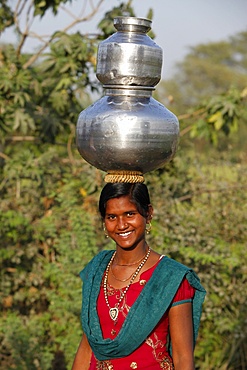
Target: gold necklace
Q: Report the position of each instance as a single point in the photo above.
(130, 264)
(122, 280)
(127, 264)
(114, 311)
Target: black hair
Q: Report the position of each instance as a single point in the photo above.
(138, 193)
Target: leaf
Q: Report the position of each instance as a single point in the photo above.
(234, 125)
(21, 98)
(41, 4)
(64, 83)
(23, 122)
(217, 119)
(214, 117)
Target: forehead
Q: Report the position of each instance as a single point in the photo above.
(120, 204)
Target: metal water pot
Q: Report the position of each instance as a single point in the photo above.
(127, 129)
(129, 56)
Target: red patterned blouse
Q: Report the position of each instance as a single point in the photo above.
(152, 354)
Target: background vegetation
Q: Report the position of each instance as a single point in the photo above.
(49, 225)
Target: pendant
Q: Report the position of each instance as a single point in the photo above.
(113, 312)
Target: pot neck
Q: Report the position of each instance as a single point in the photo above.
(123, 90)
(132, 24)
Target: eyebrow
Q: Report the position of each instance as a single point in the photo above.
(130, 210)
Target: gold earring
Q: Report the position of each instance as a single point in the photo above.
(105, 232)
(148, 230)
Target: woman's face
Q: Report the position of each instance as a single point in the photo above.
(124, 224)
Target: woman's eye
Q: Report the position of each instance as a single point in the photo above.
(111, 217)
(130, 214)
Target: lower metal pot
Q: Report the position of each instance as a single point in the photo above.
(127, 129)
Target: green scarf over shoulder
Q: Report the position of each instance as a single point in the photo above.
(147, 310)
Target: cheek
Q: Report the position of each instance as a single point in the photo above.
(139, 224)
(109, 225)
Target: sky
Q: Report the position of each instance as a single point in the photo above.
(178, 24)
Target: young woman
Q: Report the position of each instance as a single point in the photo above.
(141, 310)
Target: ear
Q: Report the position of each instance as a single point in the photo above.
(150, 213)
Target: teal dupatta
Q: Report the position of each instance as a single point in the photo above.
(146, 312)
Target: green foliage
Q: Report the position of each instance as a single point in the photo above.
(106, 24)
(124, 9)
(200, 220)
(6, 15)
(38, 101)
(209, 69)
(26, 341)
(221, 113)
(210, 86)
(41, 6)
(49, 224)
(47, 236)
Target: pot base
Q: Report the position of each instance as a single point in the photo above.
(124, 176)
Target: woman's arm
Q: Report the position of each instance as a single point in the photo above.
(181, 332)
(83, 355)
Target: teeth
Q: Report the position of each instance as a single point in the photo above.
(125, 234)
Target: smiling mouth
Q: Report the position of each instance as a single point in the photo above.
(125, 234)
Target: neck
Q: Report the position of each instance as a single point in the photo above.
(130, 257)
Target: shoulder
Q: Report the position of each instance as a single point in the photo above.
(174, 265)
(177, 269)
(95, 262)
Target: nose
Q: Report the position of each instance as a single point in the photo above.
(122, 224)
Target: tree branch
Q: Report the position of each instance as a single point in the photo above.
(76, 20)
(34, 57)
(25, 33)
(4, 156)
(22, 138)
(194, 114)
(69, 144)
(84, 19)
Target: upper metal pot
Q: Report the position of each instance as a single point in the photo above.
(129, 56)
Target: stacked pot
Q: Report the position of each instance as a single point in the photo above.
(127, 130)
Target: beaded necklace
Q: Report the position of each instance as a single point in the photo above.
(114, 311)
